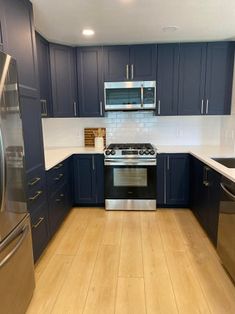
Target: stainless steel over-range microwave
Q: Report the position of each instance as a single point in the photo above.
(130, 95)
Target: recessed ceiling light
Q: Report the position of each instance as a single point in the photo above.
(170, 28)
(88, 32)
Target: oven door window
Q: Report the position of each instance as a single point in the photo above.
(130, 177)
(135, 182)
(123, 96)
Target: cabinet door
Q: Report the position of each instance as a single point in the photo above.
(90, 82)
(19, 42)
(32, 132)
(192, 78)
(44, 75)
(116, 63)
(177, 179)
(84, 179)
(63, 76)
(40, 230)
(161, 180)
(219, 77)
(167, 79)
(143, 62)
(99, 166)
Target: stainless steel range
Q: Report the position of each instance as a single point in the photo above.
(130, 176)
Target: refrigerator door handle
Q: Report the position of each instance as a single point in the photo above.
(23, 232)
(3, 167)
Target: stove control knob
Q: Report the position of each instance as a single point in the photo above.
(141, 152)
(146, 152)
(113, 152)
(107, 152)
(152, 152)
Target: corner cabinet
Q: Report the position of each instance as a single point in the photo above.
(64, 78)
(126, 63)
(90, 82)
(173, 180)
(89, 179)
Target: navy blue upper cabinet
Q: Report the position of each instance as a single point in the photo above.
(167, 79)
(192, 78)
(219, 77)
(143, 62)
(64, 80)
(116, 63)
(19, 42)
(44, 75)
(124, 63)
(90, 82)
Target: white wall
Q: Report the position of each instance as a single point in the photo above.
(135, 127)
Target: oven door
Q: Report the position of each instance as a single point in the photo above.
(130, 181)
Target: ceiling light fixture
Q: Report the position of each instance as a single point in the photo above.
(88, 32)
(170, 28)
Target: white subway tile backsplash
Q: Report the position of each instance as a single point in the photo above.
(136, 127)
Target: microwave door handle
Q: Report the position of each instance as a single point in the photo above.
(142, 96)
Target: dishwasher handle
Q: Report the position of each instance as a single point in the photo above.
(22, 233)
(227, 191)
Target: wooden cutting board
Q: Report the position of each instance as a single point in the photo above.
(89, 137)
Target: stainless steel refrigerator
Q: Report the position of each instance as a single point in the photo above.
(16, 257)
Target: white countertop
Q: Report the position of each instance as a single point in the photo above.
(53, 156)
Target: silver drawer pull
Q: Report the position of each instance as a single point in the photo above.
(58, 166)
(59, 177)
(34, 181)
(36, 196)
(59, 199)
(38, 223)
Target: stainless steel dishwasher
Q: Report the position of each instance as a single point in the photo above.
(226, 230)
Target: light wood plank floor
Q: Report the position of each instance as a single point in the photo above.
(131, 263)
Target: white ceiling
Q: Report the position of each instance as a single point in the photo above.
(134, 21)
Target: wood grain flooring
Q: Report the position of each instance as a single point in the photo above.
(131, 263)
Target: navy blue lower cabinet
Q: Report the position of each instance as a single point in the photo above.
(173, 180)
(205, 197)
(40, 230)
(89, 179)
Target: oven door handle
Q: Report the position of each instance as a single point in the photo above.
(146, 162)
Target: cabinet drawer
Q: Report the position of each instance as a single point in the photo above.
(58, 208)
(56, 177)
(40, 230)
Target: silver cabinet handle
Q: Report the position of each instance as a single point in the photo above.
(227, 191)
(23, 232)
(44, 107)
(36, 196)
(75, 108)
(202, 106)
(207, 106)
(58, 166)
(159, 107)
(60, 176)
(93, 163)
(59, 199)
(127, 71)
(40, 220)
(34, 181)
(101, 108)
(132, 71)
(168, 163)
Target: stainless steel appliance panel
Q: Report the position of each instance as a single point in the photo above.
(11, 139)
(16, 270)
(130, 204)
(226, 230)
